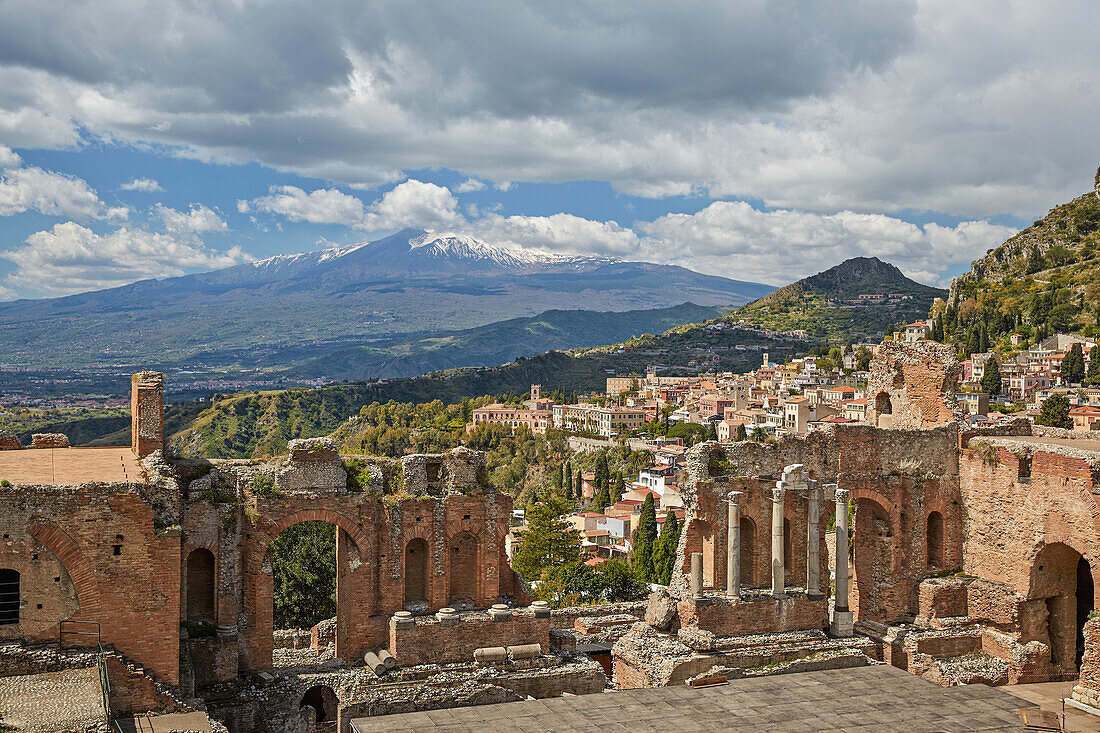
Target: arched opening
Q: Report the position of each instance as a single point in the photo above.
(303, 562)
(1085, 605)
(934, 541)
(872, 547)
(748, 552)
(883, 406)
(199, 589)
(320, 704)
(416, 571)
(788, 547)
(9, 596)
(1062, 579)
(463, 572)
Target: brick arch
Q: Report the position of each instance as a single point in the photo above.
(465, 525)
(871, 589)
(263, 543)
(425, 531)
(79, 568)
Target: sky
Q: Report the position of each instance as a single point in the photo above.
(762, 141)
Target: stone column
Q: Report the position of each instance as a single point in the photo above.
(696, 575)
(842, 617)
(813, 541)
(733, 546)
(779, 577)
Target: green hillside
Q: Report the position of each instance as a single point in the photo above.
(1043, 280)
(826, 306)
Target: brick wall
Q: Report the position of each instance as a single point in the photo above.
(762, 615)
(432, 642)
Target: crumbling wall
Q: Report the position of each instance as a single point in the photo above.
(913, 385)
(147, 413)
(121, 568)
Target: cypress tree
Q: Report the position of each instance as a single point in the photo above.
(973, 341)
(937, 329)
(615, 491)
(664, 549)
(983, 339)
(1073, 365)
(602, 479)
(742, 434)
(643, 539)
(1092, 377)
(991, 379)
(712, 432)
(579, 487)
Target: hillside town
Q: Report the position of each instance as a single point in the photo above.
(794, 399)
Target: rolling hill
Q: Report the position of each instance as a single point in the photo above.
(827, 306)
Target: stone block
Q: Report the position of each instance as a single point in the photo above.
(49, 440)
(661, 610)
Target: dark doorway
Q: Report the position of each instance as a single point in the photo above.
(416, 571)
(934, 538)
(748, 552)
(1084, 604)
(323, 701)
(200, 586)
(9, 596)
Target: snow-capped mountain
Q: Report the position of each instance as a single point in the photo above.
(412, 281)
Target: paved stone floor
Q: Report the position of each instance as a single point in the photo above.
(1048, 695)
(167, 723)
(878, 698)
(47, 703)
(60, 466)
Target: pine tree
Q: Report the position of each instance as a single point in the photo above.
(664, 549)
(643, 539)
(547, 542)
(991, 379)
(1073, 365)
(742, 434)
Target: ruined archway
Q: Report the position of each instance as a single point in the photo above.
(748, 552)
(322, 704)
(884, 410)
(416, 572)
(462, 553)
(1062, 580)
(872, 548)
(259, 600)
(199, 586)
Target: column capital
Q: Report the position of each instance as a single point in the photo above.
(778, 492)
(842, 495)
(735, 497)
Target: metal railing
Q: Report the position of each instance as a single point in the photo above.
(101, 665)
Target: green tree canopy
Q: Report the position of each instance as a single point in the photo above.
(863, 359)
(1055, 412)
(577, 582)
(991, 379)
(303, 563)
(548, 541)
(664, 549)
(1092, 376)
(643, 539)
(1073, 365)
(742, 434)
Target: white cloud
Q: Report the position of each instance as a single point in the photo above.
(859, 106)
(9, 158)
(778, 247)
(415, 203)
(560, 233)
(323, 206)
(409, 204)
(145, 185)
(198, 220)
(53, 194)
(470, 184)
(71, 258)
